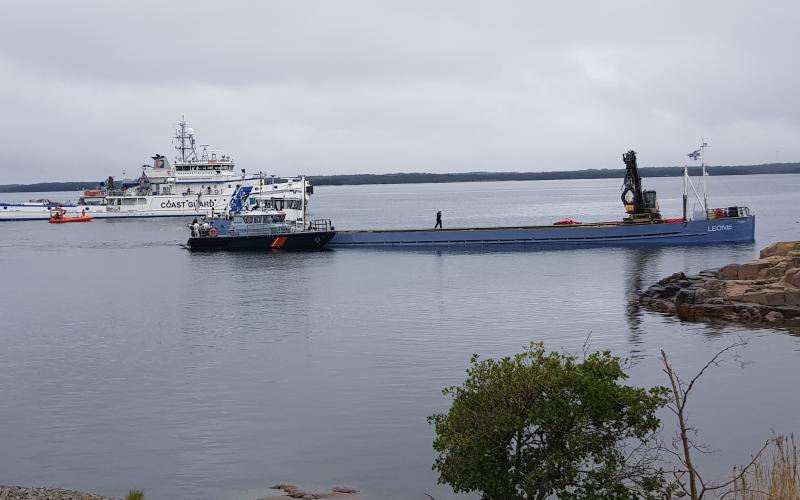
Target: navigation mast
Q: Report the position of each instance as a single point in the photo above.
(185, 142)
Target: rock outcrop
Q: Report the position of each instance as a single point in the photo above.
(293, 491)
(765, 291)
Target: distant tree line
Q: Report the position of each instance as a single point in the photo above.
(48, 186)
(605, 173)
(422, 178)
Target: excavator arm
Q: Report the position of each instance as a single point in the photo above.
(638, 202)
(632, 187)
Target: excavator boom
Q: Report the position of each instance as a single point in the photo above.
(638, 203)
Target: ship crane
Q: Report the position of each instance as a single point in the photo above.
(641, 205)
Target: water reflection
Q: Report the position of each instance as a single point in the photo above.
(221, 372)
(641, 264)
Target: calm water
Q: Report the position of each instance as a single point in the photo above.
(127, 361)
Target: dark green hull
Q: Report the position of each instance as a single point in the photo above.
(305, 240)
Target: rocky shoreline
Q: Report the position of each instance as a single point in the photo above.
(286, 491)
(763, 292)
(41, 493)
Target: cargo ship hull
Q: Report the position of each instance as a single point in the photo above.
(706, 231)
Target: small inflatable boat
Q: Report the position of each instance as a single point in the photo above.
(85, 218)
(59, 216)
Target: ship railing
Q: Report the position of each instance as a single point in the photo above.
(724, 213)
(320, 225)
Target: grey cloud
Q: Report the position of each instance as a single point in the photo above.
(90, 88)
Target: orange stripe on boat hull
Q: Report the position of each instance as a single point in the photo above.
(279, 242)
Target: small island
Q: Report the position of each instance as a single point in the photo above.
(763, 292)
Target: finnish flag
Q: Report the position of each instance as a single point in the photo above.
(694, 155)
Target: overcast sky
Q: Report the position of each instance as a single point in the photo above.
(91, 88)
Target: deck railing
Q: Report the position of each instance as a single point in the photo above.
(724, 213)
(320, 225)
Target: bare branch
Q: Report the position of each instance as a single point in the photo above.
(673, 453)
(713, 361)
(680, 395)
(744, 469)
(679, 406)
(586, 344)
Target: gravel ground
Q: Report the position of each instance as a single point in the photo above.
(39, 493)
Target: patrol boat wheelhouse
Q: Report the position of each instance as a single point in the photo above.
(198, 183)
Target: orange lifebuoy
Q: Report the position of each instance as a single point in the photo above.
(718, 213)
(213, 232)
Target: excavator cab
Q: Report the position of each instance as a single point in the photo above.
(650, 202)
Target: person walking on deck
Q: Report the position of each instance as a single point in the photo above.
(438, 220)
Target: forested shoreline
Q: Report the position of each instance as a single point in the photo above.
(422, 178)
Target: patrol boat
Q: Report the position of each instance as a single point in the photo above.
(243, 228)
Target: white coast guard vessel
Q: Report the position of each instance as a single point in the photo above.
(198, 183)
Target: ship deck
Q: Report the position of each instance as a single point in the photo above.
(727, 230)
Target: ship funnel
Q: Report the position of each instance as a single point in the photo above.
(160, 161)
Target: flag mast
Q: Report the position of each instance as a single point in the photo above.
(685, 192)
(703, 145)
(694, 155)
(303, 203)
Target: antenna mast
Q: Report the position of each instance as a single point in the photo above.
(185, 141)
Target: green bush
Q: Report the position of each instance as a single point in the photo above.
(540, 424)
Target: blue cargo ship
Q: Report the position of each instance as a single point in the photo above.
(643, 225)
(739, 229)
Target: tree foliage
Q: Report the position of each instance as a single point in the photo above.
(541, 424)
(594, 173)
(422, 177)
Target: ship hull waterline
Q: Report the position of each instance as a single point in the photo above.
(705, 231)
(19, 212)
(307, 240)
